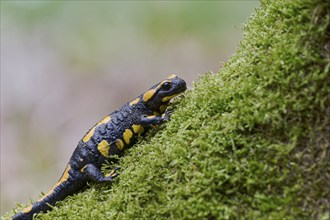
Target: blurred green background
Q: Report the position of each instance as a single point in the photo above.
(66, 64)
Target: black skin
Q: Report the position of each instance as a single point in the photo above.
(86, 161)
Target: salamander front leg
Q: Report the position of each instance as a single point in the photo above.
(152, 120)
(95, 174)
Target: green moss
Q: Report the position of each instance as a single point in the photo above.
(250, 141)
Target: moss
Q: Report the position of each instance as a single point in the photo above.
(251, 141)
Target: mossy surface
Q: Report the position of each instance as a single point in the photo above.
(251, 141)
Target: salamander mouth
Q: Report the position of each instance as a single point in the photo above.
(178, 90)
(181, 88)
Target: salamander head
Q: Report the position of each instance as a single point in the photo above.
(160, 94)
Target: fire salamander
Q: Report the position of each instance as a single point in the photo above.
(110, 136)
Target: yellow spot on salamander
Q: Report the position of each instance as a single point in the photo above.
(27, 209)
(106, 119)
(88, 136)
(171, 76)
(149, 94)
(138, 129)
(103, 147)
(167, 98)
(162, 108)
(83, 169)
(119, 144)
(64, 178)
(127, 135)
(134, 101)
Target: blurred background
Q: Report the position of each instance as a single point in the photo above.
(66, 64)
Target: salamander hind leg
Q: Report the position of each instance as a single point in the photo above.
(94, 173)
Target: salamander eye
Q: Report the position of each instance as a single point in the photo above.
(166, 86)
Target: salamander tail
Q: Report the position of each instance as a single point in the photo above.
(65, 186)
